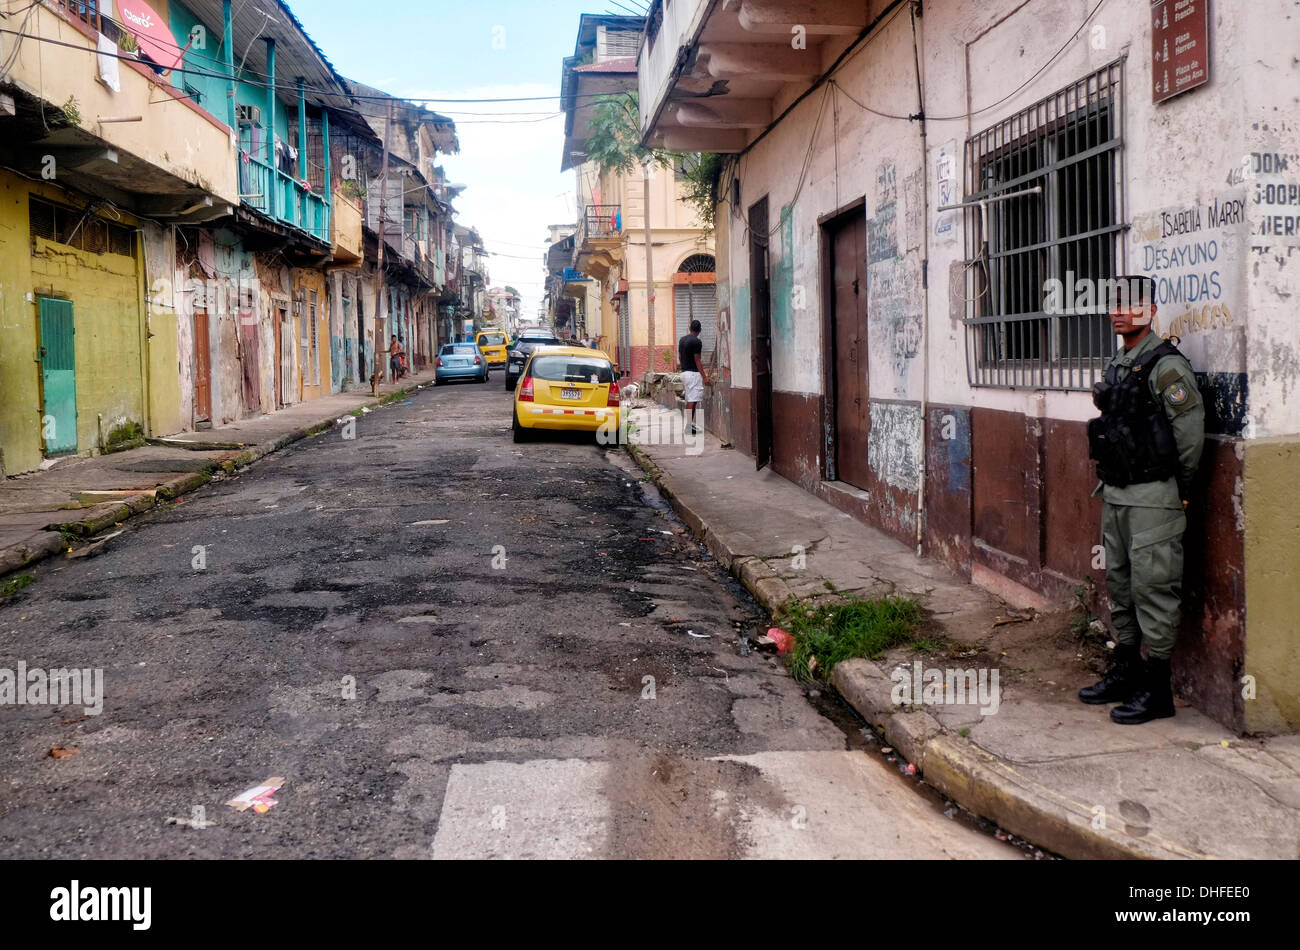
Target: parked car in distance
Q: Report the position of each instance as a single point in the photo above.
(568, 388)
(460, 361)
(523, 347)
(494, 344)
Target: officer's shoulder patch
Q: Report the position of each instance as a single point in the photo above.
(1177, 394)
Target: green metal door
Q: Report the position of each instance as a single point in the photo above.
(58, 377)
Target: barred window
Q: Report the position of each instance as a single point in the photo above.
(80, 229)
(1047, 233)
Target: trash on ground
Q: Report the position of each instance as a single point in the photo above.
(92, 549)
(426, 524)
(697, 636)
(260, 798)
(59, 752)
(782, 639)
(198, 824)
(911, 768)
(624, 624)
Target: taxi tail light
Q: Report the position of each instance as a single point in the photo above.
(526, 390)
(614, 394)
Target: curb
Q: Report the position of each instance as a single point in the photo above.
(760, 580)
(958, 768)
(49, 542)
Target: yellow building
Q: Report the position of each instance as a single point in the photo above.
(87, 340)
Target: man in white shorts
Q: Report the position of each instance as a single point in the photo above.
(689, 351)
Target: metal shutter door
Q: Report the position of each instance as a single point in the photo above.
(698, 302)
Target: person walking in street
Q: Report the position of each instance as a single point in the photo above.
(1147, 445)
(691, 364)
(395, 354)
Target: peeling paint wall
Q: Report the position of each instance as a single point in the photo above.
(312, 333)
(163, 331)
(107, 294)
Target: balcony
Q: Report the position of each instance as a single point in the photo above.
(600, 228)
(283, 198)
(345, 225)
(710, 73)
(124, 140)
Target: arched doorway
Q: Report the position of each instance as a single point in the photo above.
(695, 298)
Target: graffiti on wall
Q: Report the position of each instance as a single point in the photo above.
(893, 290)
(1194, 251)
(894, 444)
(882, 230)
(723, 292)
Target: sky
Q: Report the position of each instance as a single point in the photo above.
(476, 49)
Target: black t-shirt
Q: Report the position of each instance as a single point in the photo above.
(689, 349)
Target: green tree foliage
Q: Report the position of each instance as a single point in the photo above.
(614, 134)
(613, 143)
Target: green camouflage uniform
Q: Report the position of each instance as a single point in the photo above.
(1142, 525)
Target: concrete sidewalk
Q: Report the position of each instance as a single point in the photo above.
(80, 497)
(1042, 765)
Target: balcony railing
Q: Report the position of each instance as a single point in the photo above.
(89, 13)
(600, 223)
(284, 198)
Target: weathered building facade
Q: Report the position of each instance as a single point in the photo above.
(613, 274)
(910, 192)
(184, 240)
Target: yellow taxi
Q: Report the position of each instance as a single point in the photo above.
(569, 388)
(495, 344)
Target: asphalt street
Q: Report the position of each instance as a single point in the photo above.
(445, 645)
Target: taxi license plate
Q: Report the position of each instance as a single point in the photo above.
(570, 394)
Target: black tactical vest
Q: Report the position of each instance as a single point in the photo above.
(1132, 441)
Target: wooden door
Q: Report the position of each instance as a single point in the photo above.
(202, 368)
(760, 335)
(279, 347)
(849, 341)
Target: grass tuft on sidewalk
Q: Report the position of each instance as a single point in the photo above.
(13, 585)
(855, 628)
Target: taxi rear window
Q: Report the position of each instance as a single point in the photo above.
(572, 369)
(492, 339)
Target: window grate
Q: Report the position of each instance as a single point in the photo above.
(1026, 256)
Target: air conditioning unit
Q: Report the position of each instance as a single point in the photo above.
(249, 115)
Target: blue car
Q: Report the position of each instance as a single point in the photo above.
(460, 361)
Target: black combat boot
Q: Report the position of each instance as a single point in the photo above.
(1154, 701)
(1121, 681)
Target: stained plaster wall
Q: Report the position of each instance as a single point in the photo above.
(107, 293)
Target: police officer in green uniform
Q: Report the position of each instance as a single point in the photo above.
(1147, 444)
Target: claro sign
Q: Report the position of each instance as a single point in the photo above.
(150, 29)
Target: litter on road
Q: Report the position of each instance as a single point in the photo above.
(260, 798)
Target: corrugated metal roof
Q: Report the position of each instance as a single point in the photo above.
(296, 54)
